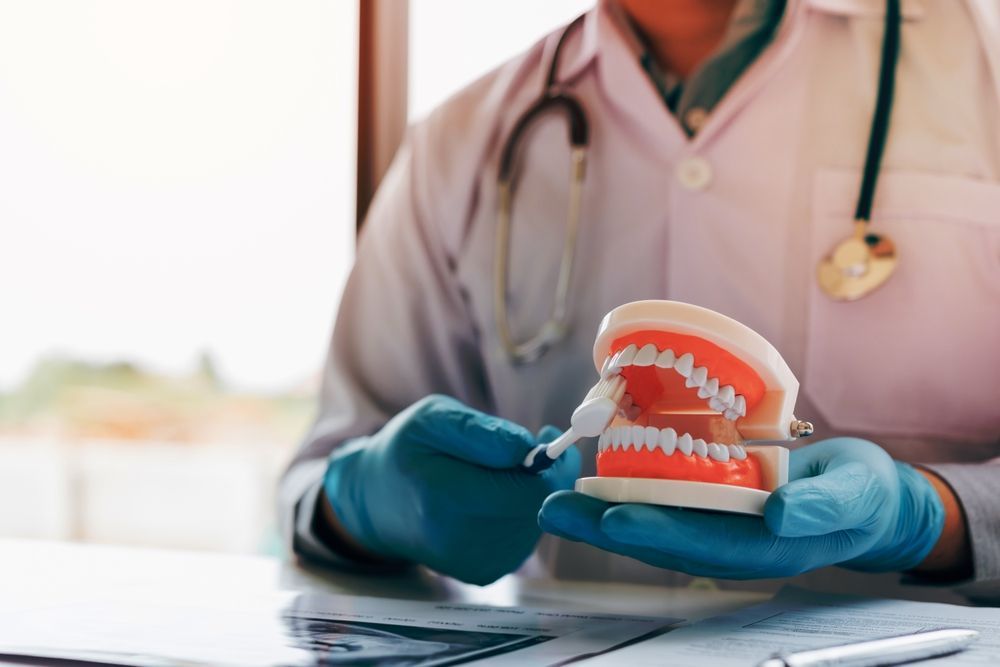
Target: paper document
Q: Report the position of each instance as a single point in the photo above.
(315, 630)
(796, 619)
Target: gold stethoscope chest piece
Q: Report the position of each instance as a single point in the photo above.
(861, 263)
(858, 265)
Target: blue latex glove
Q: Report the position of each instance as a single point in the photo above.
(847, 503)
(442, 485)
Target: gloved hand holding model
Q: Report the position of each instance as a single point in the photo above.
(695, 387)
(441, 485)
(848, 503)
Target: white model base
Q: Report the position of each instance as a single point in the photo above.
(676, 493)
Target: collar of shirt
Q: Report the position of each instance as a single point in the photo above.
(911, 10)
(602, 36)
(751, 27)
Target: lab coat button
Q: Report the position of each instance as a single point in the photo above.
(694, 173)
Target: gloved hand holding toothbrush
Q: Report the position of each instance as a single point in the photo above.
(442, 485)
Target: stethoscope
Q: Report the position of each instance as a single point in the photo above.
(854, 267)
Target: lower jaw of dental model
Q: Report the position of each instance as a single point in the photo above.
(676, 439)
(653, 453)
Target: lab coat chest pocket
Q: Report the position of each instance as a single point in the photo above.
(921, 355)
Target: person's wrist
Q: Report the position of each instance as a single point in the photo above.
(327, 526)
(924, 516)
(950, 559)
(344, 507)
(919, 523)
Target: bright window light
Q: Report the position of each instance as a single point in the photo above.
(178, 178)
(177, 220)
(453, 42)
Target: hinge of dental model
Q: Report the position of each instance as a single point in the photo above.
(589, 420)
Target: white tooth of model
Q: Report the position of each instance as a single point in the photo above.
(700, 447)
(718, 452)
(684, 444)
(685, 364)
(740, 405)
(668, 440)
(614, 368)
(709, 389)
(666, 359)
(726, 396)
(699, 376)
(627, 356)
(646, 356)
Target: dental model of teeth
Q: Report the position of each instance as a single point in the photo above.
(682, 392)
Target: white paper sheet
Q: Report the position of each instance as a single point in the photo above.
(796, 619)
(314, 630)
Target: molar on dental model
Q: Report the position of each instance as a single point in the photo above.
(682, 390)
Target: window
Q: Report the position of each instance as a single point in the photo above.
(177, 210)
(177, 196)
(453, 42)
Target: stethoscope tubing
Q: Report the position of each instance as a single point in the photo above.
(883, 109)
(552, 99)
(555, 97)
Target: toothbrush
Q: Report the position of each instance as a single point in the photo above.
(592, 416)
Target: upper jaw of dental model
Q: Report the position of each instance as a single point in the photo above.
(722, 398)
(763, 387)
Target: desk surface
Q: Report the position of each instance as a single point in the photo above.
(35, 573)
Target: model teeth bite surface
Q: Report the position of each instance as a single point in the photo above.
(697, 386)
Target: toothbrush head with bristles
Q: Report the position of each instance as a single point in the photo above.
(591, 417)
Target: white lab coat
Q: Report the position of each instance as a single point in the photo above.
(734, 219)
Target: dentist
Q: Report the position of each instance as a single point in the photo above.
(727, 144)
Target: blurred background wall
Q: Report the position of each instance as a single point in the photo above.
(178, 187)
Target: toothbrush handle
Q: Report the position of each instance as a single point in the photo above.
(543, 456)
